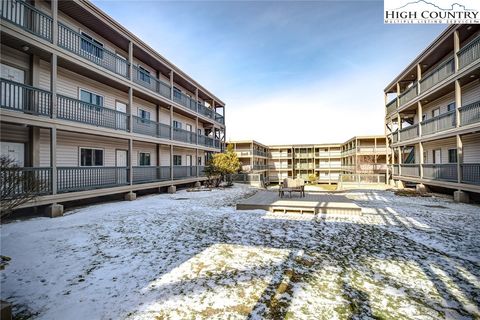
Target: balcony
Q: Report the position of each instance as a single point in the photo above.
(303, 155)
(391, 106)
(184, 135)
(440, 73)
(304, 166)
(470, 173)
(72, 179)
(184, 172)
(28, 18)
(445, 172)
(410, 170)
(281, 167)
(469, 53)
(20, 97)
(82, 112)
(35, 181)
(150, 128)
(470, 114)
(86, 48)
(407, 95)
(439, 123)
(410, 132)
(151, 83)
(207, 141)
(259, 153)
(280, 155)
(395, 169)
(260, 167)
(145, 174)
(395, 137)
(185, 101)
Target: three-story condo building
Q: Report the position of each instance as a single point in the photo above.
(252, 155)
(90, 110)
(432, 115)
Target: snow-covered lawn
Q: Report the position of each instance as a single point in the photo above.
(192, 256)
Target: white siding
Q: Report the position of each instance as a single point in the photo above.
(471, 148)
(164, 155)
(15, 58)
(441, 103)
(471, 92)
(444, 145)
(139, 147)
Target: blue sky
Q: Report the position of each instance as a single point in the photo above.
(288, 71)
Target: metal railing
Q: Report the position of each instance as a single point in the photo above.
(469, 53)
(391, 106)
(84, 47)
(184, 100)
(145, 174)
(260, 153)
(395, 169)
(470, 173)
(27, 17)
(219, 118)
(407, 95)
(17, 181)
(439, 123)
(446, 172)
(24, 98)
(150, 128)
(203, 110)
(362, 178)
(470, 113)
(79, 111)
(205, 141)
(184, 136)
(409, 132)
(181, 172)
(395, 137)
(410, 170)
(440, 73)
(71, 179)
(150, 82)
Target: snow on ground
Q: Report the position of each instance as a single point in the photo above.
(192, 256)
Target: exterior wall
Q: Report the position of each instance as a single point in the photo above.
(471, 92)
(444, 145)
(17, 59)
(139, 147)
(471, 148)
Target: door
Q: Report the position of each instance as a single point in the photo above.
(14, 151)
(12, 95)
(121, 118)
(121, 163)
(188, 127)
(437, 156)
(189, 165)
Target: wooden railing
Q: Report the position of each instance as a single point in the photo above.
(410, 132)
(80, 45)
(71, 179)
(15, 182)
(410, 170)
(470, 113)
(439, 123)
(150, 82)
(470, 173)
(469, 53)
(391, 106)
(150, 128)
(20, 97)
(27, 17)
(145, 174)
(79, 111)
(446, 171)
(182, 172)
(407, 95)
(184, 136)
(440, 73)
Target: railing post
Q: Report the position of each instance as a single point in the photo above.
(53, 158)
(53, 85)
(54, 8)
(458, 102)
(130, 161)
(459, 158)
(456, 48)
(130, 60)
(420, 150)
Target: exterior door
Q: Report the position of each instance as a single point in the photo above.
(121, 162)
(12, 96)
(188, 127)
(189, 165)
(437, 156)
(121, 119)
(14, 151)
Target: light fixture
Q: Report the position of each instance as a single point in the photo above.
(413, 76)
(426, 101)
(473, 75)
(25, 48)
(469, 27)
(424, 65)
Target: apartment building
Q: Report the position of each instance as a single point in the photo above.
(90, 110)
(253, 156)
(432, 115)
(362, 154)
(365, 154)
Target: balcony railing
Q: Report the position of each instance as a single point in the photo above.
(27, 17)
(259, 153)
(145, 174)
(86, 48)
(281, 167)
(280, 155)
(148, 81)
(87, 178)
(410, 170)
(437, 75)
(395, 137)
(219, 118)
(391, 106)
(407, 95)
(303, 155)
(82, 112)
(410, 132)
(184, 100)
(470, 173)
(20, 97)
(470, 113)
(469, 53)
(439, 123)
(184, 135)
(260, 167)
(395, 169)
(207, 112)
(35, 181)
(304, 166)
(205, 141)
(150, 128)
(181, 172)
(446, 172)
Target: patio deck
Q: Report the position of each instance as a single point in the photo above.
(311, 203)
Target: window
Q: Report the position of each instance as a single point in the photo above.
(177, 124)
(91, 46)
(144, 159)
(177, 93)
(435, 112)
(177, 160)
(452, 155)
(91, 98)
(424, 116)
(199, 161)
(90, 157)
(451, 106)
(144, 114)
(199, 132)
(144, 74)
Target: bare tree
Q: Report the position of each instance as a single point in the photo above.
(17, 186)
